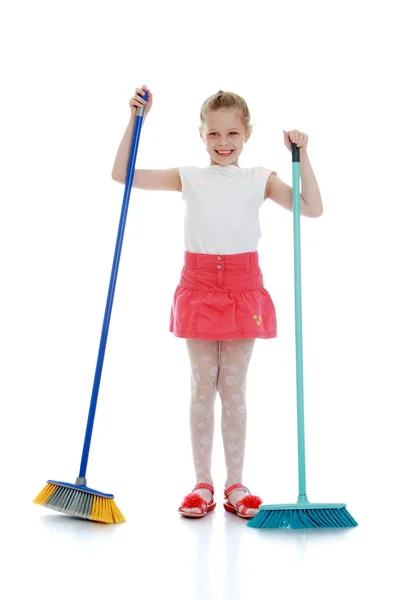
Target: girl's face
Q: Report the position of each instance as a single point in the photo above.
(224, 131)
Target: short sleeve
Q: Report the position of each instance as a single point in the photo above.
(182, 176)
(184, 173)
(263, 175)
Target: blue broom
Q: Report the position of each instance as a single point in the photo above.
(77, 499)
(303, 514)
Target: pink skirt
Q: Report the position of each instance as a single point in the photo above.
(222, 297)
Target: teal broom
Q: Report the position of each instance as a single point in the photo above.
(303, 514)
(76, 499)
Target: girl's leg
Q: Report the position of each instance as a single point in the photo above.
(235, 357)
(204, 359)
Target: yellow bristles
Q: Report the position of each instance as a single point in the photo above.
(104, 510)
(45, 494)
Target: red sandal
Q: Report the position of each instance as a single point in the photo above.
(248, 501)
(194, 500)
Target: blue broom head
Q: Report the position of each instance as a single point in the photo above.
(303, 515)
(80, 501)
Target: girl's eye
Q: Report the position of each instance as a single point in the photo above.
(215, 133)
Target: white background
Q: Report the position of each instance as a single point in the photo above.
(68, 72)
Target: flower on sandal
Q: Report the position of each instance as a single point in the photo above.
(193, 501)
(250, 502)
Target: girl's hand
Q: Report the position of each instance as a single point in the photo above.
(297, 137)
(137, 101)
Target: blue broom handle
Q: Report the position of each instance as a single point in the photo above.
(111, 289)
(298, 320)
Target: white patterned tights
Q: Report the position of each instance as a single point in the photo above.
(219, 366)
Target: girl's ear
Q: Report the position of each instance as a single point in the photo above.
(248, 134)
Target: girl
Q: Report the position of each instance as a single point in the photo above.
(220, 305)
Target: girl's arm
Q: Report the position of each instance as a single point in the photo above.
(167, 180)
(121, 160)
(309, 187)
(310, 198)
(146, 179)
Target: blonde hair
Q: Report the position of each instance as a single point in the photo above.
(225, 100)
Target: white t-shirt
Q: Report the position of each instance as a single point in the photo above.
(222, 205)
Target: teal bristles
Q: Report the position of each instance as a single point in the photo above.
(300, 517)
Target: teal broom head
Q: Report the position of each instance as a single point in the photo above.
(302, 515)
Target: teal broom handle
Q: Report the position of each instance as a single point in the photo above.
(298, 321)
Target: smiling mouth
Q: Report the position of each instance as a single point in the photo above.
(225, 153)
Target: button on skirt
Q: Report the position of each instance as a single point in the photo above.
(222, 297)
